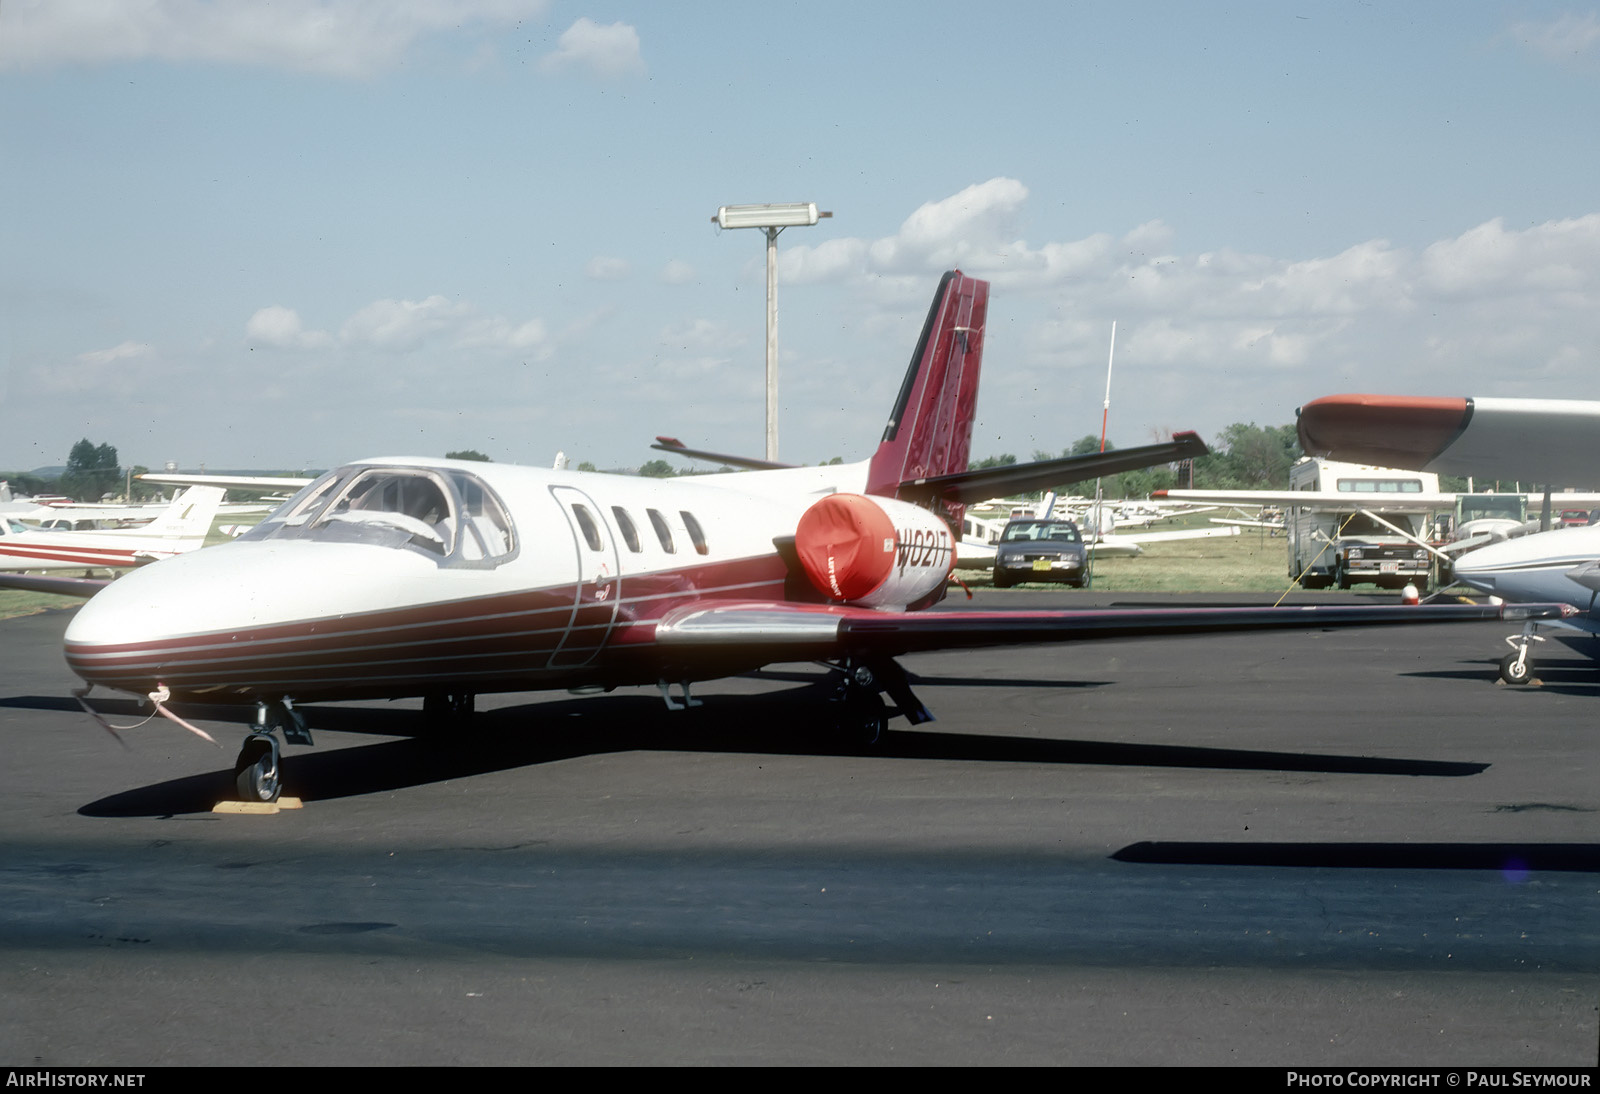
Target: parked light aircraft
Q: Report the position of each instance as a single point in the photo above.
(444, 578)
(180, 527)
(1544, 440)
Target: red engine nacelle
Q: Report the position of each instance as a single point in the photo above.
(874, 552)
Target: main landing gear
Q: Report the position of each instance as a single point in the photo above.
(448, 707)
(258, 772)
(859, 713)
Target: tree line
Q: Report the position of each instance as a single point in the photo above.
(92, 473)
(1243, 456)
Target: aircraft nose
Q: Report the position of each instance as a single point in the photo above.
(187, 622)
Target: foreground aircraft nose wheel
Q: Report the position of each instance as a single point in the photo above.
(1516, 668)
(255, 774)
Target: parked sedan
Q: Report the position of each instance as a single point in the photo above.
(1031, 549)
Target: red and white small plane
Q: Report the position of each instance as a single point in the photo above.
(180, 527)
(1550, 441)
(442, 578)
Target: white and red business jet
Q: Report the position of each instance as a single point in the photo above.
(442, 579)
(1548, 441)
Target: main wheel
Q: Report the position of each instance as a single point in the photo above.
(861, 718)
(1516, 669)
(451, 706)
(255, 773)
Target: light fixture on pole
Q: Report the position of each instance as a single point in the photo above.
(772, 219)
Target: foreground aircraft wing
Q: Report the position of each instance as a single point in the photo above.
(65, 586)
(796, 632)
(1543, 440)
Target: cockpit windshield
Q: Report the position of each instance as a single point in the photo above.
(447, 514)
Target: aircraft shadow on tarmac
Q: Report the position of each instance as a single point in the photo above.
(1567, 676)
(1512, 859)
(790, 723)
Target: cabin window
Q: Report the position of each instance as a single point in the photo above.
(663, 533)
(696, 535)
(591, 531)
(630, 534)
(1380, 486)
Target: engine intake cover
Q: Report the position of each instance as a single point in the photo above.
(875, 552)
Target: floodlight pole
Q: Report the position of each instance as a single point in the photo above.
(772, 219)
(772, 343)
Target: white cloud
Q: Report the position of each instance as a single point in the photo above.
(606, 268)
(348, 38)
(677, 273)
(402, 324)
(406, 326)
(829, 261)
(609, 52)
(121, 373)
(1567, 38)
(973, 227)
(281, 327)
(700, 334)
(121, 352)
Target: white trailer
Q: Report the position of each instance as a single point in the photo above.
(1333, 546)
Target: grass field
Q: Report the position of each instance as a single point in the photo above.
(1252, 562)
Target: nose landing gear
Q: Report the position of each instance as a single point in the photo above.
(258, 772)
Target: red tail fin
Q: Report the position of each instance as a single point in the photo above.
(930, 428)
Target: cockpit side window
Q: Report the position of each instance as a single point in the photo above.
(486, 531)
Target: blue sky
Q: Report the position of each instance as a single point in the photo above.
(289, 235)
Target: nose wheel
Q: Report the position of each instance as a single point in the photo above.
(258, 772)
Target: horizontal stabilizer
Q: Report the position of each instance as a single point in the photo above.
(749, 463)
(993, 482)
(240, 482)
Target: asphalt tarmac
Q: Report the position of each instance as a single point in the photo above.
(1324, 848)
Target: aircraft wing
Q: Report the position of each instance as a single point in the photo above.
(1317, 499)
(1542, 440)
(65, 586)
(782, 631)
